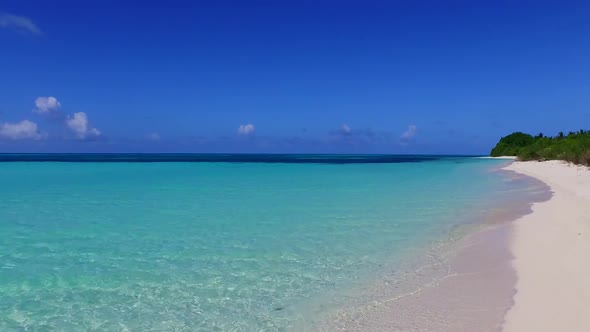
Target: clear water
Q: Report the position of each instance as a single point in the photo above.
(214, 246)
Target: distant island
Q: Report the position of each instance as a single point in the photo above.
(573, 147)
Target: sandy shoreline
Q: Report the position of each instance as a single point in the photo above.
(551, 249)
(529, 270)
(469, 288)
(500, 157)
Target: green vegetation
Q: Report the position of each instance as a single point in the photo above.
(573, 147)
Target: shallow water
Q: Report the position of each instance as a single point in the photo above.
(184, 246)
(461, 282)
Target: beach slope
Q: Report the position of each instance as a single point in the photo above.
(552, 253)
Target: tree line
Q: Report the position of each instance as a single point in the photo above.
(573, 147)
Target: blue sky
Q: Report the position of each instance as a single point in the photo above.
(289, 76)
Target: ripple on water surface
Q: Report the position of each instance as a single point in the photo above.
(214, 246)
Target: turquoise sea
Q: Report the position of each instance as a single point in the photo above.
(218, 243)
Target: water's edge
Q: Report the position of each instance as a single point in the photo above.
(469, 284)
(354, 247)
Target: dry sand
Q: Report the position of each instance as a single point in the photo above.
(500, 157)
(551, 249)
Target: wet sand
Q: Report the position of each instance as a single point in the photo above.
(473, 295)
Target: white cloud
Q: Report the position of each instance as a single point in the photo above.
(345, 129)
(153, 136)
(46, 105)
(78, 123)
(20, 131)
(246, 129)
(409, 134)
(19, 23)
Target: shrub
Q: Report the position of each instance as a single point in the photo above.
(511, 144)
(575, 147)
(586, 158)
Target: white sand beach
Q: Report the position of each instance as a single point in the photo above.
(500, 157)
(551, 247)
